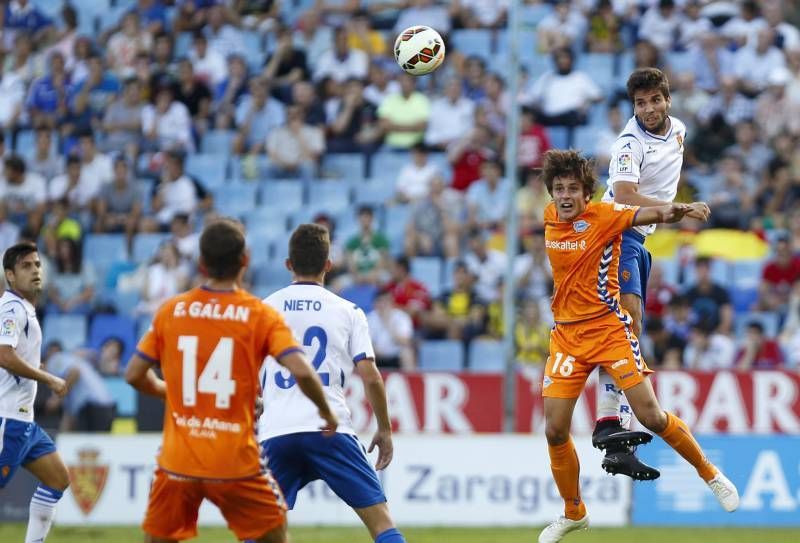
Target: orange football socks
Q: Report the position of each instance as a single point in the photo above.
(566, 470)
(680, 438)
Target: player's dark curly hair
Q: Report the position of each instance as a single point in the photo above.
(568, 164)
(222, 248)
(647, 79)
(308, 249)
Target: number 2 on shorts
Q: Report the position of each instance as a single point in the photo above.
(563, 365)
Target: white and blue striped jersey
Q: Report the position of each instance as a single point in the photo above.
(653, 162)
(20, 329)
(335, 336)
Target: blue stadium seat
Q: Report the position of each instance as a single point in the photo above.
(254, 50)
(118, 326)
(266, 222)
(236, 200)
(395, 220)
(272, 272)
(599, 67)
(104, 250)
(743, 299)
(486, 356)
(375, 192)
(361, 295)
(210, 169)
(26, 142)
(586, 139)
(388, 163)
(679, 61)
(145, 246)
(262, 246)
(669, 268)
(447, 273)
(441, 355)
(334, 195)
(217, 141)
(123, 394)
(747, 274)
(559, 136)
(113, 273)
(770, 322)
(532, 15)
(69, 330)
(347, 165)
(283, 194)
(472, 42)
(124, 302)
(183, 42)
(428, 270)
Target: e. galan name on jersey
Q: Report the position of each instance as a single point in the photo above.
(216, 312)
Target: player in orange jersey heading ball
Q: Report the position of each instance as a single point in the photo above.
(583, 244)
(210, 343)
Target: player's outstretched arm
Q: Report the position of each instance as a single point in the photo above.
(309, 383)
(140, 375)
(10, 361)
(627, 192)
(376, 395)
(662, 214)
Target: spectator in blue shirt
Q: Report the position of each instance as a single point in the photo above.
(50, 95)
(94, 94)
(152, 14)
(21, 16)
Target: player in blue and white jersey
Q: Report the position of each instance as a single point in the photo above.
(645, 169)
(335, 334)
(22, 441)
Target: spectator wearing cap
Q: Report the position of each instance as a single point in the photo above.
(209, 65)
(287, 64)
(779, 277)
(707, 349)
(24, 193)
(294, 149)
(367, 251)
(119, 204)
(452, 116)
(125, 44)
(122, 121)
(256, 116)
(341, 62)
(758, 352)
(404, 117)
(563, 96)
(488, 198)
(392, 332)
(167, 124)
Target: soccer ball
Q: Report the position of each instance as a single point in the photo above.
(419, 50)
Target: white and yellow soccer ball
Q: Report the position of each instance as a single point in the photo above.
(419, 50)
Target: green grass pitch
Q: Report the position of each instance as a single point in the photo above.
(16, 532)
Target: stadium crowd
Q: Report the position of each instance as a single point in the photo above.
(127, 123)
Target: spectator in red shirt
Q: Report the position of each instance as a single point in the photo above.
(659, 293)
(778, 277)
(758, 351)
(468, 155)
(533, 141)
(409, 294)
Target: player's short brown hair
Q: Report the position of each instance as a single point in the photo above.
(646, 79)
(568, 164)
(222, 248)
(17, 252)
(308, 249)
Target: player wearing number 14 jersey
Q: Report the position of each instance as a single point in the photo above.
(210, 343)
(335, 335)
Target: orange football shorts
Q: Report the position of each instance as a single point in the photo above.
(576, 349)
(252, 507)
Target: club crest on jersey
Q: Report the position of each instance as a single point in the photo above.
(626, 275)
(88, 478)
(680, 141)
(8, 327)
(580, 226)
(624, 163)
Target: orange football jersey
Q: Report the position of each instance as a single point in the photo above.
(211, 345)
(584, 256)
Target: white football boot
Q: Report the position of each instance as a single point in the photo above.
(725, 491)
(561, 527)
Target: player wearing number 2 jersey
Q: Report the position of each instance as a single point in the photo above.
(583, 242)
(210, 343)
(335, 335)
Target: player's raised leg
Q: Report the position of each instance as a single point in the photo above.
(565, 467)
(675, 432)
